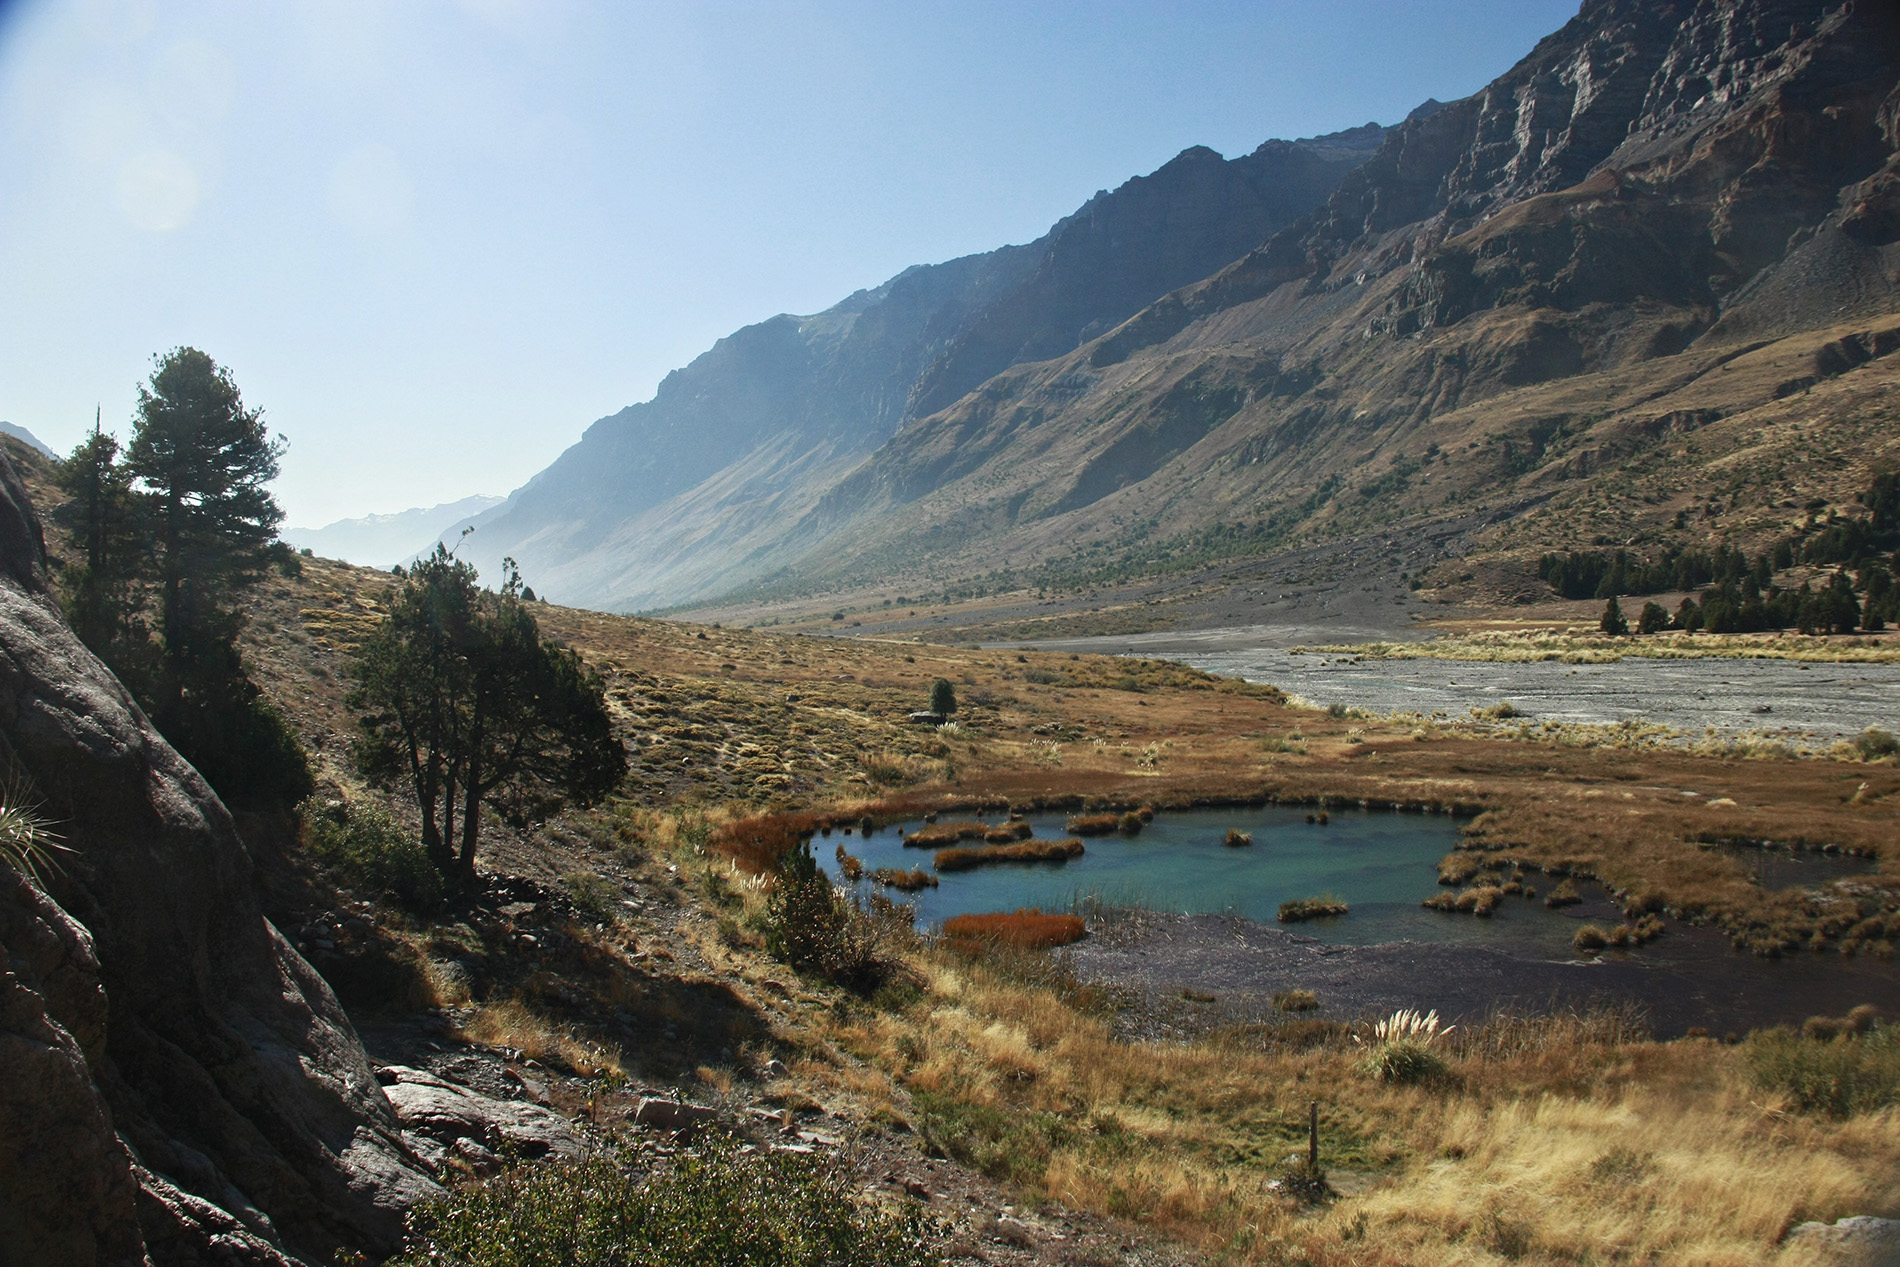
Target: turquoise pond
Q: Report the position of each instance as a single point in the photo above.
(1381, 862)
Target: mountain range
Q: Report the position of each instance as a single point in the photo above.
(1517, 305)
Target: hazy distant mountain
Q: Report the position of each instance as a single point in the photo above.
(678, 497)
(26, 437)
(385, 540)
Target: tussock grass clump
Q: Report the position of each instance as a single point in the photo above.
(1095, 824)
(1295, 1001)
(1854, 1072)
(711, 1208)
(1300, 910)
(1400, 1048)
(1022, 851)
(1236, 838)
(1565, 894)
(1459, 868)
(1028, 928)
(1007, 832)
(1590, 939)
(904, 881)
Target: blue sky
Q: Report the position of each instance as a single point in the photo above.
(435, 240)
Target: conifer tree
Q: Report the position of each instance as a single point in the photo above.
(102, 586)
(1613, 622)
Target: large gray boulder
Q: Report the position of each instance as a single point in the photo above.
(177, 1086)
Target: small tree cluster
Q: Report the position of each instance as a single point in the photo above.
(465, 704)
(167, 533)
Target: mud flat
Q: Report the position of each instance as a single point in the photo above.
(1689, 979)
(1823, 700)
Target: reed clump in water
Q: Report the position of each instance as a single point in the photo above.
(940, 835)
(904, 881)
(1325, 906)
(964, 859)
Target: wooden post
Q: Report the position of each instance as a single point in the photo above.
(1312, 1137)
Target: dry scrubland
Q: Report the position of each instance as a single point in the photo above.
(1571, 1139)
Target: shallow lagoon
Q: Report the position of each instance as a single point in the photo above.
(1381, 862)
(1389, 951)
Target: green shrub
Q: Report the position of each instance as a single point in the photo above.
(594, 896)
(1855, 1073)
(718, 1208)
(813, 927)
(366, 845)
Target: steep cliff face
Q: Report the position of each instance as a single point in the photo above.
(681, 495)
(1653, 180)
(176, 1084)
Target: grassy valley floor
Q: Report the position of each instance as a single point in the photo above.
(623, 950)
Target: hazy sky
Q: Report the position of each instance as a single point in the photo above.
(435, 240)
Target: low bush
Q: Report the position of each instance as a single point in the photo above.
(812, 927)
(717, 1207)
(369, 849)
(1323, 907)
(1021, 851)
(1849, 1074)
(1027, 928)
(1875, 744)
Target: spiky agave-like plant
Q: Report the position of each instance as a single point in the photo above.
(27, 840)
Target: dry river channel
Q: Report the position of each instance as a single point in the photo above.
(1818, 701)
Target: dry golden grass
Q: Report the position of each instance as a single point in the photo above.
(515, 1023)
(1560, 1140)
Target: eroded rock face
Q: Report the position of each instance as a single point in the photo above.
(176, 1084)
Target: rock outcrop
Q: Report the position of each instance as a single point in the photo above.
(177, 1086)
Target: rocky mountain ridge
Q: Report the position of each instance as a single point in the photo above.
(1656, 190)
(673, 498)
